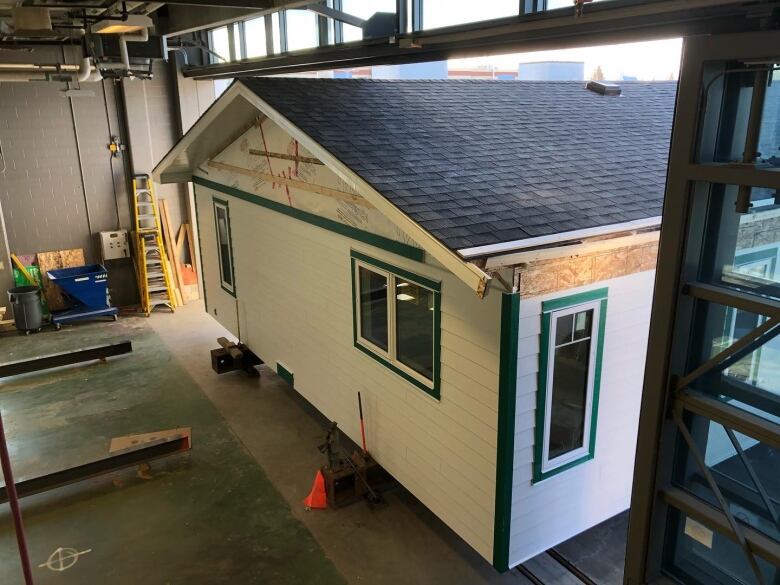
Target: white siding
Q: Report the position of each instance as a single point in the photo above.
(547, 513)
(294, 292)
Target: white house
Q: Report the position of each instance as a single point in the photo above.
(474, 259)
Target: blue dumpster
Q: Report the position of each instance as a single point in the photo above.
(86, 290)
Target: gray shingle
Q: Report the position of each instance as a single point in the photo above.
(482, 162)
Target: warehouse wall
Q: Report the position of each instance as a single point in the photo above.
(51, 198)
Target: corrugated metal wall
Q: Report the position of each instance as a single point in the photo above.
(50, 199)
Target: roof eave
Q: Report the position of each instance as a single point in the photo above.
(510, 253)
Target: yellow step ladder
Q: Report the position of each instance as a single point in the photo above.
(152, 268)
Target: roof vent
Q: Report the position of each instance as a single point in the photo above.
(604, 88)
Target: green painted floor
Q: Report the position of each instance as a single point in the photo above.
(208, 517)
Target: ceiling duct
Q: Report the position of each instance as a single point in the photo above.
(33, 23)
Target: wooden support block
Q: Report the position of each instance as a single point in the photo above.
(232, 348)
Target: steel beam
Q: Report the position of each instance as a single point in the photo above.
(65, 359)
(602, 23)
(121, 460)
(732, 417)
(338, 15)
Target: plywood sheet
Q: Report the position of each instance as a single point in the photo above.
(52, 261)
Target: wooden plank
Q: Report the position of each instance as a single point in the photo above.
(191, 244)
(53, 261)
(23, 270)
(303, 159)
(132, 441)
(170, 248)
(295, 183)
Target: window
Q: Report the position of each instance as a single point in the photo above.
(220, 44)
(302, 32)
(225, 245)
(399, 329)
(254, 35)
(438, 13)
(569, 370)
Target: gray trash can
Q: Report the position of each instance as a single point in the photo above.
(28, 311)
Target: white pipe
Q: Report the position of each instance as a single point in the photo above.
(140, 37)
(85, 70)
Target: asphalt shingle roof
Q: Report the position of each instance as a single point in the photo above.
(484, 162)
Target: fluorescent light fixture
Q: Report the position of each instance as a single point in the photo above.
(133, 24)
(401, 284)
(404, 297)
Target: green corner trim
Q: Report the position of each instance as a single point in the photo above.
(393, 246)
(200, 250)
(215, 201)
(505, 456)
(541, 395)
(285, 374)
(435, 390)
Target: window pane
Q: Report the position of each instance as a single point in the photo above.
(277, 33)
(726, 142)
(569, 393)
(237, 42)
(438, 13)
(414, 327)
(582, 324)
(748, 480)
(223, 238)
(563, 329)
(220, 44)
(301, 29)
(373, 307)
(254, 33)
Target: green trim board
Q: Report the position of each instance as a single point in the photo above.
(381, 242)
(285, 374)
(433, 390)
(505, 453)
(200, 250)
(215, 201)
(548, 308)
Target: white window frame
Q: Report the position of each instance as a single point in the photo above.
(548, 464)
(391, 355)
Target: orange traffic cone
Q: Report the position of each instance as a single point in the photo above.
(317, 497)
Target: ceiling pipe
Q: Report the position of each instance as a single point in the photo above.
(141, 36)
(85, 71)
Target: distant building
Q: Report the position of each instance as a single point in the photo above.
(430, 70)
(552, 71)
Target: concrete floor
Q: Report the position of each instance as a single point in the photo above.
(231, 511)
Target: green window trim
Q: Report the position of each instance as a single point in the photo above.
(200, 250)
(505, 453)
(433, 388)
(285, 374)
(216, 203)
(599, 298)
(381, 242)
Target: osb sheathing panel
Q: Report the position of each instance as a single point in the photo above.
(546, 276)
(53, 261)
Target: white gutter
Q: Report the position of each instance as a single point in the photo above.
(558, 239)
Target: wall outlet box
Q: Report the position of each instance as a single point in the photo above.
(114, 245)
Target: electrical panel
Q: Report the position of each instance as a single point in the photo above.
(114, 245)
